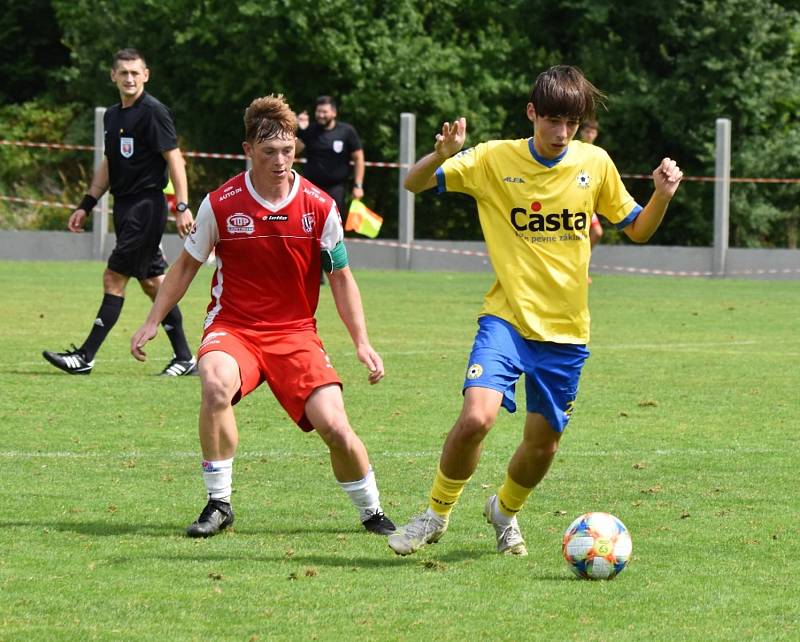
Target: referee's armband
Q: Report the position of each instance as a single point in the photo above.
(335, 259)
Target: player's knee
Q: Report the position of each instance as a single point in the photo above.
(150, 286)
(114, 283)
(475, 424)
(543, 443)
(217, 389)
(335, 431)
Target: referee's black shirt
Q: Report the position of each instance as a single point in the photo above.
(135, 138)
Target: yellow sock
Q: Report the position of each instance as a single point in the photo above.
(511, 497)
(445, 493)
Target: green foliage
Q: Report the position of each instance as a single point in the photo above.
(669, 73)
(103, 475)
(31, 53)
(36, 173)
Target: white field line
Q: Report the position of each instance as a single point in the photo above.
(292, 455)
(711, 347)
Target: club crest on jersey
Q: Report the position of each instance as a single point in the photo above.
(126, 147)
(584, 180)
(338, 146)
(240, 223)
(308, 222)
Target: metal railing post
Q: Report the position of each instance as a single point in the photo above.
(100, 214)
(722, 195)
(405, 205)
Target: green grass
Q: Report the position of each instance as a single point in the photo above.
(686, 428)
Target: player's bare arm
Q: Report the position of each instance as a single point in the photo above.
(100, 183)
(449, 142)
(347, 297)
(172, 289)
(177, 171)
(666, 178)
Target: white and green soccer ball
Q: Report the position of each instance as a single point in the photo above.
(597, 546)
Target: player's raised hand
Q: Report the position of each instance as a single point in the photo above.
(452, 138)
(667, 176)
(373, 361)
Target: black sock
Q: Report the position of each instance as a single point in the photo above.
(173, 326)
(107, 316)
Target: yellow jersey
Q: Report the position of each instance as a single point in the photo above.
(535, 214)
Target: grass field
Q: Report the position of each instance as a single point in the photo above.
(686, 428)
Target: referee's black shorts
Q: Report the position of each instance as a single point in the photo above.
(338, 193)
(139, 222)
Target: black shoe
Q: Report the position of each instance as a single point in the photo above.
(72, 361)
(216, 516)
(379, 524)
(178, 368)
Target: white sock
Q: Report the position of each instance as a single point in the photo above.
(218, 477)
(364, 495)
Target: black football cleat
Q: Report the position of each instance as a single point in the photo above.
(216, 516)
(178, 368)
(72, 361)
(379, 524)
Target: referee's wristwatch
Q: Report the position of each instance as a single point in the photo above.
(181, 207)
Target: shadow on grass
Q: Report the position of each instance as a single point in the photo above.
(98, 529)
(334, 560)
(428, 560)
(115, 529)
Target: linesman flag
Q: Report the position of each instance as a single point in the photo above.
(363, 220)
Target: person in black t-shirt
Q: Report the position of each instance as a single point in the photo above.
(329, 147)
(140, 145)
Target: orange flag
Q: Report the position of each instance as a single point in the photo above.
(363, 220)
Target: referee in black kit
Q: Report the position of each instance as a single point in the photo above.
(140, 145)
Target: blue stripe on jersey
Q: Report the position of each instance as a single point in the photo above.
(440, 181)
(547, 162)
(630, 218)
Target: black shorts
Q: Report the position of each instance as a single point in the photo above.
(339, 194)
(139, 223)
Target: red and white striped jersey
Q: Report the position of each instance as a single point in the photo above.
(267, 254)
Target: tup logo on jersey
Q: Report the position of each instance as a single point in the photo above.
(534, 221)
(338, 146)
(126, 147)
(240, 223)
(584, 180)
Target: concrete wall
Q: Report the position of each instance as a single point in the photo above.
(456, 256)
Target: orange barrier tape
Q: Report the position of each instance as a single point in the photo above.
(443, 250)
(30, 201)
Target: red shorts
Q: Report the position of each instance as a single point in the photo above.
(293, 364)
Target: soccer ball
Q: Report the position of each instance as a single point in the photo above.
(597, 546)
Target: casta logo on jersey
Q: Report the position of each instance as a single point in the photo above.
(533, 220)
(240, 223)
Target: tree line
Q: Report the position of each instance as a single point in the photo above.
(669, 71)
